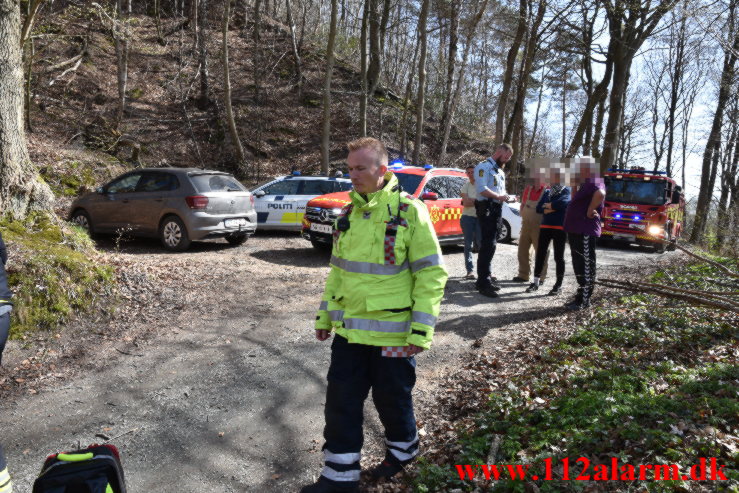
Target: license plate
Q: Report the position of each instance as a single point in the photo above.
(234, 223)
(321, 228)
(624, 237)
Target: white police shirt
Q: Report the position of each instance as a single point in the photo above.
(489, 176)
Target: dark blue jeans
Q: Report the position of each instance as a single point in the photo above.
(4, 331)
(490, 217)
(354, 370)
(471, 232)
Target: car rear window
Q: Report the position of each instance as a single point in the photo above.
(216, 183)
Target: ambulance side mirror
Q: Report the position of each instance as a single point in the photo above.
(429, 196)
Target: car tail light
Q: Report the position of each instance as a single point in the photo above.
(197, 201)
(251, 199)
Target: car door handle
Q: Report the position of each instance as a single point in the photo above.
(125, 201)
(159, 199)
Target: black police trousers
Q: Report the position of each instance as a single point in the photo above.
(490, 218)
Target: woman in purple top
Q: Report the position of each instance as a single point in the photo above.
(582, 225)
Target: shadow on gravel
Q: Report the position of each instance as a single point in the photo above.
(478, 325)
(302, 257)
(152, 246)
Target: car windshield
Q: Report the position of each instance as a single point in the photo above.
(635, 191)
(216, 183)
(409, 182)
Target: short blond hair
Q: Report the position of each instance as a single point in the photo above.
(373, 144)
(506, 147)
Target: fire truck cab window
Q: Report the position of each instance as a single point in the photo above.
(636, 191)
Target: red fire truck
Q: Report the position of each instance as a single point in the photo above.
(643, 207)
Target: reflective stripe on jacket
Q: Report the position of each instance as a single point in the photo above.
(386, 283)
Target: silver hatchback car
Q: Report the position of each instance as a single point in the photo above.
(177, 205)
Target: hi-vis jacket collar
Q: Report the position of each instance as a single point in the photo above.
(378, 197)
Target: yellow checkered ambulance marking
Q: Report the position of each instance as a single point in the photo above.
(451, 214)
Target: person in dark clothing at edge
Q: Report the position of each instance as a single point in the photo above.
(582, 225)
(6, 304)
(491, 193)
(382, 300)
(553, 205)
(6, 486)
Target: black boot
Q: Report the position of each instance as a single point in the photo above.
(556, 290)
(575, 303)
(532, 287)
(387, 468)
(323, 485)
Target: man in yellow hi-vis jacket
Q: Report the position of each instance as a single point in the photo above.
(382, 299)
(6, 486)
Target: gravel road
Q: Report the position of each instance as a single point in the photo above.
(227, 394)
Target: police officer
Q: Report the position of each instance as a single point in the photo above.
(6, 486)
(382, 299)
(6, 304)
(490, 183)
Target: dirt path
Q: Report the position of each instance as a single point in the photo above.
(227, 395)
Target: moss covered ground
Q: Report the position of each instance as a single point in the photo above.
(53, 270)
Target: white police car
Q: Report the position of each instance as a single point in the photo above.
(280, 203)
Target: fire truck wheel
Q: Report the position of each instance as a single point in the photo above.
(659, 247)
(672, 246)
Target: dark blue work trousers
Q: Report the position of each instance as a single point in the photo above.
(354, 370)
(490, 218)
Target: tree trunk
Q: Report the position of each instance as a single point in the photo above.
(20, 189)
(460, 82)
(33, 6)
(421, 100)
(629, 25)
(326, 137)
(676, 79)
(203, 51)
(241, 167)
(508, 74)
(451, 67)
(158, 21)
(120, 32)
(257, 51)
(375, 56)
(363, 70)
(296, 52)
(407, 102)
(536, 115)
(713, 146)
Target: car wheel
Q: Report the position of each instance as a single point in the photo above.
(319, 245)
(173, 234)
(236, 239)
(504, 233)
(82, 219)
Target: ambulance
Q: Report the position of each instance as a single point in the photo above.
(280, 203)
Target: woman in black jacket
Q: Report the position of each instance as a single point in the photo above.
(553, 204)
(6, 304)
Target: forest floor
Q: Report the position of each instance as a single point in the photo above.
(208, 377)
